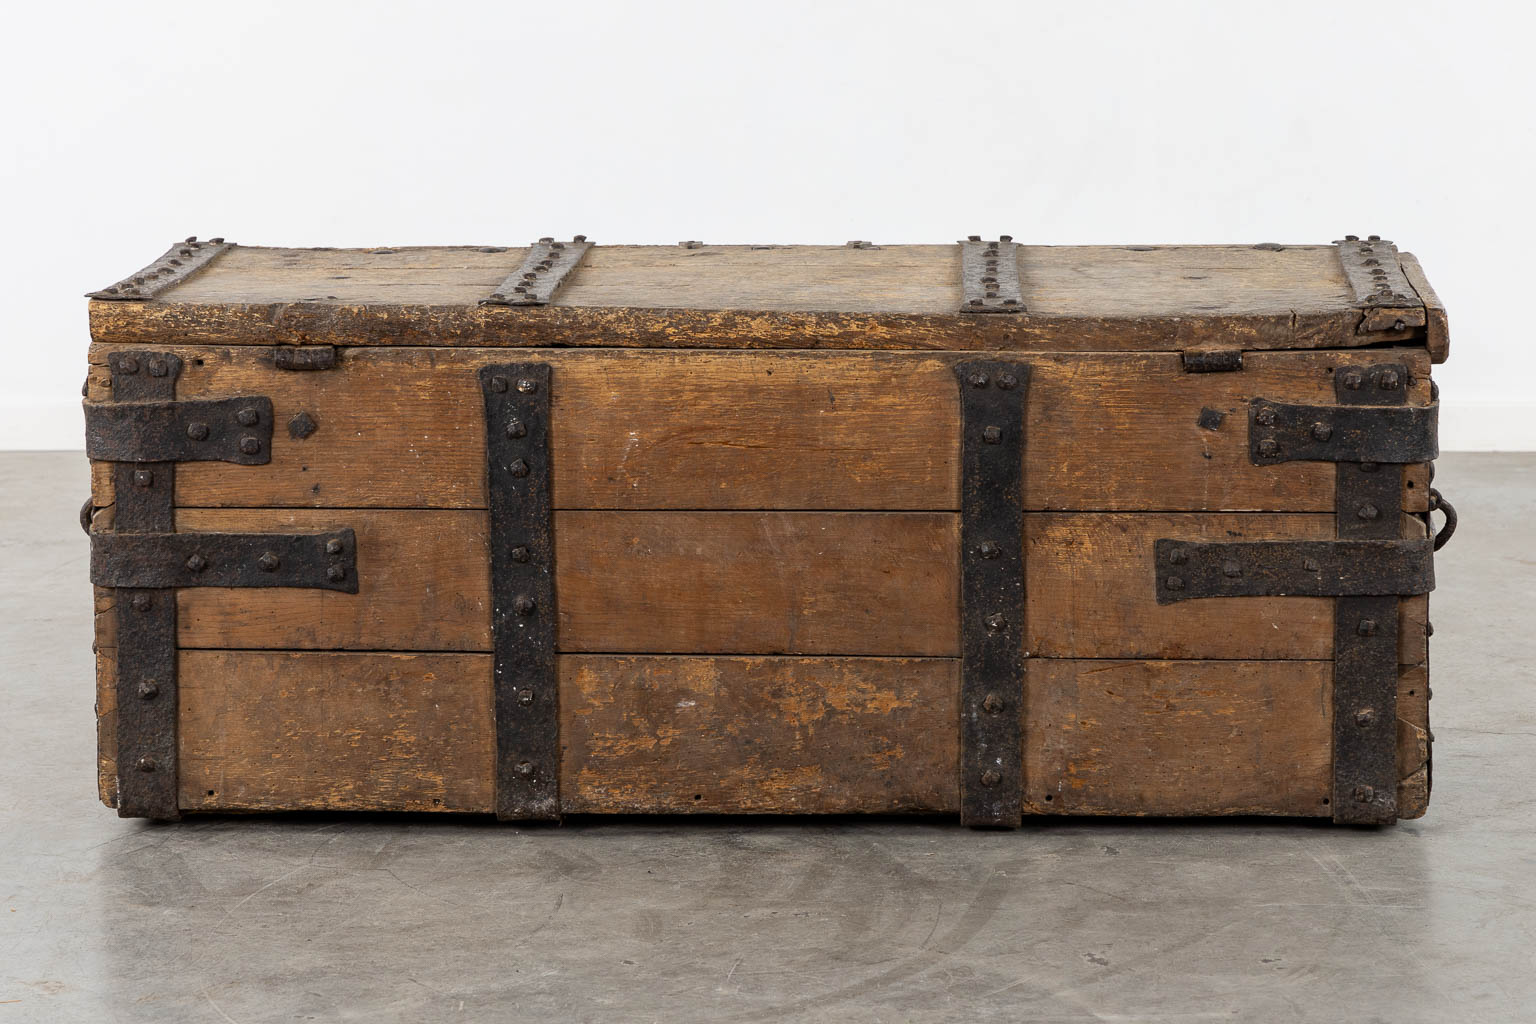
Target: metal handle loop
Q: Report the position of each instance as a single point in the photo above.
(1442, 535)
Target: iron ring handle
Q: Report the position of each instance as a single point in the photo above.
(86, 512)
(1442, 535)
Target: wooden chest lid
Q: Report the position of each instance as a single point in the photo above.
(969, 295)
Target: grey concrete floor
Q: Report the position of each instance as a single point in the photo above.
(415, 919)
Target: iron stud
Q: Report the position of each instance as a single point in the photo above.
(268, 562)
(158, 368)
(525, 769)
(149, 689)
(519, 468)
(991, 777)
(128, 364)
(519, 554)
(1321, 431)
(250, 445)
(1231, 570)
(197, 563)
(995, 622)
(992, 435)
(145, 764)
(977, 380)
(525, 697)
(1364, 717)
(1366, 627)
(1365, 794)
(334, 546)
(247, 417)
(197, 431)
(1174, 583)
(1367, 512)
(1352, 380)
(989, 549)
(1007, 381)
(498, 384)
(1388, 381)
(516, 429)
(523, 604)
(336, 573)
(1265, 417)
(143, 478)
(527, 385)
(1269, 447)
(992, 704)
(141, 602)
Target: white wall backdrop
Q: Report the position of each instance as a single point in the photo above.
(128, 125)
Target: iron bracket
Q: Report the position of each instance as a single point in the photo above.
(174, 266)
(320, 561)
(1386, 299)
(992, 406)
(523, 613)
(1189, 570)
(544, 269)
(237, 430)
(989, 276)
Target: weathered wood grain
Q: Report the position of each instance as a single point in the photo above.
(744, 735)
(328, 731)
(1178, 737)
(404, 428)
(1437, 333)
(758, 583)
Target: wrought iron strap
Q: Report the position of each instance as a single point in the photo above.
(992, 403)
(319, 561)
(1187, 570)
(1278, 432)
(989, 276)
(523, 619)
(544, 270)
(178, 263)
(1380, 287)
(235, 430)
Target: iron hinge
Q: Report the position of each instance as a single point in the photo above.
(150, 561)
(1187, 570)
(989, 276)
(1382, 292)
(237, 430)
(178, 263)
(544, 269)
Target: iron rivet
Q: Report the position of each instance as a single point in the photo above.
(519, 468)
(1373, 238)
(216, 241)
(1364, 717)
(191, 239)
(1174, 583)
(527, 386)
(1231, 569)
(523, 604)
(145, 764)
(158, 368)
(1265, 417)
(578, 238)
(334, 546)
(990, 778)
(1007, 381)
(1269, 447)
(148, 690)
(128, 364)
(546, 239)
(1429, 629)
(517, 429)
(1367, 511)
(247, 417)
(1367, 627)
(1310, 564)
(992, 435)
(1321, 431)
(977, 302)
(336, 573)
(1398, 325)
(1352, 380)
(498, 383)
(1365, 794)
(992, 704)
(197, 563)
(269, 562)
(525, 697)
(525, 769)
(1178, 556)
(973, 238)
(143, 478)
(989, 549)
(142, 602)
(1388, 381)
(250, 445)
(996, 623)
(977, 380)
(1351, 238)
(197, 431)
(519, 554)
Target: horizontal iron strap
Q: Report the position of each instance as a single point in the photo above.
(1278, 432)
(1292, 568)
(235, 430)
(319, 561)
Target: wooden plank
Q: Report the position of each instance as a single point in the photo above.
(758, 583)
(423, 585)
(1090, 591)
(1178, 737)
(1437, 333)
(404, 428)
(746, 735)
(106, 725)
(325, 731)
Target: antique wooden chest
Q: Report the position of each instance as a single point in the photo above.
(980, 529)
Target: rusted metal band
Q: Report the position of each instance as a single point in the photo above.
(178, 263)
(237, 430)
(989, 276)
(318, 561)
(304, 357)
(1190, 570)
(544, 270)
(146, 619)
(1278, 432)
(1382, 291)
(523, 614)
(992, 403)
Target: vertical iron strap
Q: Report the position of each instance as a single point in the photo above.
(992, 405)
(145, 502)
(523, 622)
(1369, 501)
